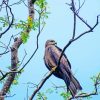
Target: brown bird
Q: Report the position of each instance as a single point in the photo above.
(63, 71)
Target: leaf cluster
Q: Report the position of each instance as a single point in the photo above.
(65, 95)
(3, 22)
(96, 78)
(41, 96)
(15, 82)
(41, 4)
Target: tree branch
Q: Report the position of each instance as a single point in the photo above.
(41, 84)
(10, 24)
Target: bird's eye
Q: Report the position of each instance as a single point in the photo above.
(52, 41)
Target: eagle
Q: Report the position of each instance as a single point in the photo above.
(63, 71)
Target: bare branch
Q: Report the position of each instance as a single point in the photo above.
(74, 28)
(80, 6)
(10, 24)
(7, 12)
(23, 58)
(7, 96)
(41, 84)
(58, 87)
(7, 47)
(88, 31)
(17, 3)
(4, 53)
(81, 19)
(1, 5)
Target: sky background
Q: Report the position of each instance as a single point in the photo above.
(83, 54)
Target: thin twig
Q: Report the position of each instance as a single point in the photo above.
(10, 22)
(80, 6)
(81, 19)
(23, 58)
(40, 85)
(1, 6)
(74, 28)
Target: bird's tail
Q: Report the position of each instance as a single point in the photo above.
(73, 85)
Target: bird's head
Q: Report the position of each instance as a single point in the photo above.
(50, 42)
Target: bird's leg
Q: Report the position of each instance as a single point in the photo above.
(53, 68)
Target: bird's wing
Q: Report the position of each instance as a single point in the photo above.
(64, 56)
(64, 66)
(49, 59)
(53, 55)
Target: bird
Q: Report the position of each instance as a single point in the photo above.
(63, 71)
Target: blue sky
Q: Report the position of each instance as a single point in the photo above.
(83, 54)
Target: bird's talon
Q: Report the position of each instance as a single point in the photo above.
(53, 69)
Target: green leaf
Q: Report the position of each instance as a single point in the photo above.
(49, 91)
(65, 95)
(41, 96)
(15, 82)
(24, 37)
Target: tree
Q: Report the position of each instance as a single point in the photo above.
(16, 67)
